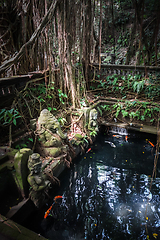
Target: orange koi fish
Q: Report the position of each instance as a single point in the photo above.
(48, 211)
(151, 144)
(126, 137)
(57, 197)
(117, 136)
(88, 150)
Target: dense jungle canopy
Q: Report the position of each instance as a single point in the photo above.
(63, 38)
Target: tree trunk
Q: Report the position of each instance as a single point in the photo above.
(33, 38)
(130, 50)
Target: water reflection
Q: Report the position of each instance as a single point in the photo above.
(107, 194)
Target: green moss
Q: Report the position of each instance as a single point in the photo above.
(54, 152)
(20, 165)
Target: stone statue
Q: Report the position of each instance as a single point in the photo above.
(50, 133)
(38, 185)
(33, 159)
(92, 124)
(20, 165)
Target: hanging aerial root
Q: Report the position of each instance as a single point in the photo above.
(54, 179)
(68, 164)
(70, 147)
(69, 157)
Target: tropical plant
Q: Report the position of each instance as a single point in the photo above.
(9, 116)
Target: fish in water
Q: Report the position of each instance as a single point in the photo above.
(57, 197)
(151, 143)
(126, 138)
(48, 211)
(88, 150)
(117, 136)
(112, 144)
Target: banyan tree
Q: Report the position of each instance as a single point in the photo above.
(44, 35)
(61, 38)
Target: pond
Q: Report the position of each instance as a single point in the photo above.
(107, 193)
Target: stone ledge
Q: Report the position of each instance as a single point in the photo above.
(10, 230)
(132, 126)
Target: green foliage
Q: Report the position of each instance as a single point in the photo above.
(123, 39)
(19, 146)
(47, 97)
(84, 139)
(105, 107)
(9, 116)
(124, 113)
(100, 111)
(41, 99)
(92, 87)
(107, 59)
(83, 102)
(121, 85)
(38, 93)
(93, 133)
(62, 96)
(39, 88)
(135, 110)
(102, 84)
(25, 143)
(30, 139)
(50, 109)
(132, 115)
(152, 91)
(138, 86)
(62, 120)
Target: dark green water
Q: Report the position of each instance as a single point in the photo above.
(106, 194)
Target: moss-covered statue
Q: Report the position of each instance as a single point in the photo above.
(92, 124)
(50, 133)
(39, 186)
(33, 159)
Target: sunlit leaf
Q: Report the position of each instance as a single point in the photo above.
(14, 121)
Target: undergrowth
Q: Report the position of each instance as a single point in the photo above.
(123, 86)
(132, 110)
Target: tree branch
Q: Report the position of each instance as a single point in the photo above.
(34, 36)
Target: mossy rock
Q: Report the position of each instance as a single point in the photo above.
(54, 151)
(7, 153)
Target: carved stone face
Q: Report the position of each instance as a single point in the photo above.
(47, 119)
(45, 113)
